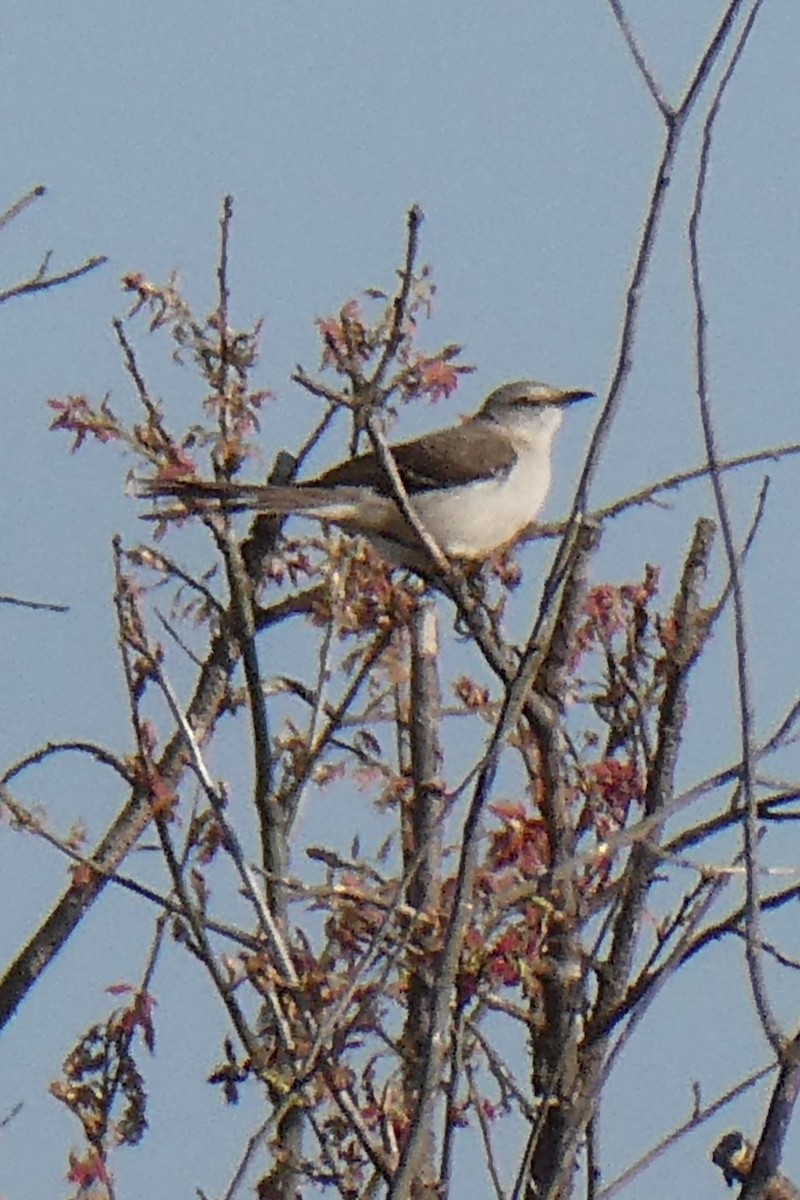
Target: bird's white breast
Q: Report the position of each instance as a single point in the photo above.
(469, 521)
(474, 520)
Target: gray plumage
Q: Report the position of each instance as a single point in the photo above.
(475, 486)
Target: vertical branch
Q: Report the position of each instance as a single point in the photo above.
(274, 829)
(223, 303)
(447, 966)
(243, 625)
(400, 303)
(688, 640)
(540, 712)
(556, 1025)
(422, 848)
(674, 124)
(273, 822)
(776, 1126)
(752, 944)
(426, 759)
(689, 636)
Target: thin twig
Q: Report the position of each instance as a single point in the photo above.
(671, 483)
(647, 75)
(42, 282)
(20, 205)
(132, 367)
(415, 218)
(697, 1118)
(40, 605)
(486, 1136)
(98, 753)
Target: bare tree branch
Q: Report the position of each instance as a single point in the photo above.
(769, 1023)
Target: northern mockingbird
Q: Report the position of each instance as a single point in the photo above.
(475, 487)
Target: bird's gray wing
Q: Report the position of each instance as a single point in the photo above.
(474, 450)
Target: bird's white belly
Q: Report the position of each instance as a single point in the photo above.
(473, 520)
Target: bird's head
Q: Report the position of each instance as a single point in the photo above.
(529, 394)
(528, 404)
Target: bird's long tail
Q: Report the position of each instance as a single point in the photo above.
(198, 496)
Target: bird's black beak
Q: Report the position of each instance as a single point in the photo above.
(573, 397)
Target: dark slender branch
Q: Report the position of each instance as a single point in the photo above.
(612, 979)
(630, 323)
(132, 367)
(733, 816)
(288, 797)
(593, 1168)
(769, 1023)
(642, 994)
(520, 697)
(223, 303)
(671, 483)
(40, 605)
(383, 452)
(647, 75)
(42, 282)
(451, 1093)
(769, 1151)
(29, 823)
(486, 1136)
(556, 1015)
(674, 129)
(156, 560)
(689, 639)
(710, 56)
(400, 302)
(20, 205)
(10, 1115)
(713, 933)
(274, 831)
(335, 399)
(131, 639)
(98, 753)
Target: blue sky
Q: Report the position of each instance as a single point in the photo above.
(524, 132)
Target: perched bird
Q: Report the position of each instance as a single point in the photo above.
(475, 487)
(734, 1155)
